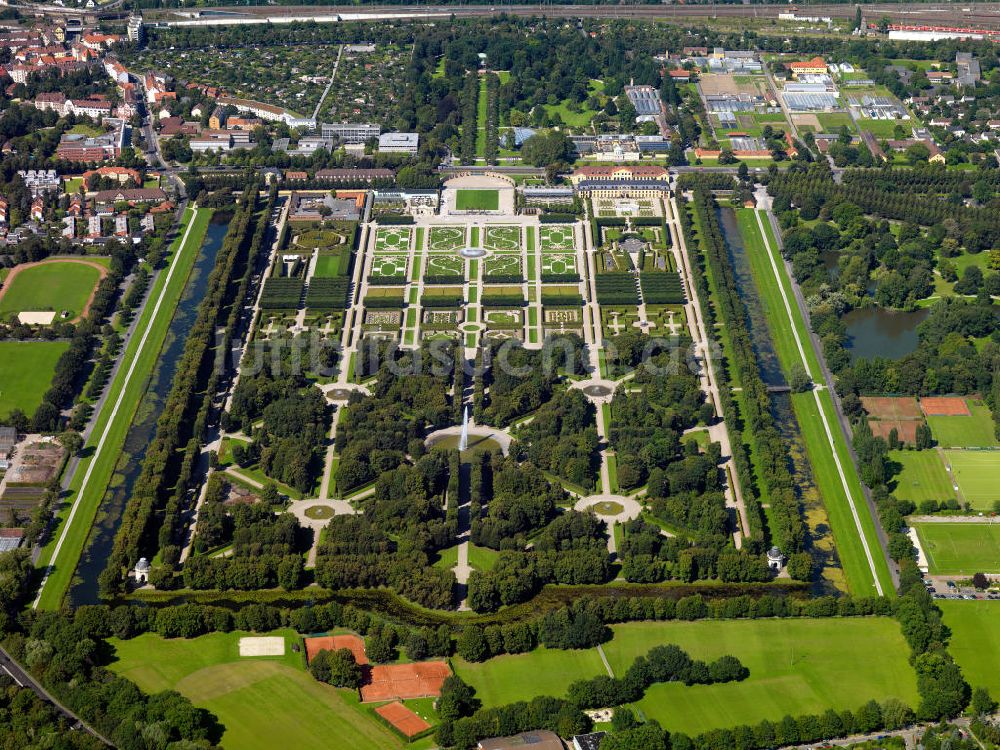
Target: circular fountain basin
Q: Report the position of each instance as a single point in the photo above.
(472, 252)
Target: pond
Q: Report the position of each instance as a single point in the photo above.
(878, 332)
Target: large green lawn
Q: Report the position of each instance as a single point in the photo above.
(62, 286)
(975, 640)
(978, 476)
(26, 370)
(788, 329)
(477, 200)
(973, 431)
(263, 702)
(94, 471)
(523, 676)
(921, 476)
(960, 548)
(796, 666)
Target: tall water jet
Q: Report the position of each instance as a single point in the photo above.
(463, 443)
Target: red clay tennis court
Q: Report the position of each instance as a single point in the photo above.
(906, 429)
(402, 681)
(891, 407)
(334, 643)
(945, 406)
(403, 719)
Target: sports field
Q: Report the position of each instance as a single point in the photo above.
(796, 666)
(978, 476)
(63, 285)
(477, 200)
(922, 476)
(243, 692)
(26, 370)
(973, 431)
(975, 640)
(960, 548)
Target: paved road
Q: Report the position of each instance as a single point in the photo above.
(24, 679)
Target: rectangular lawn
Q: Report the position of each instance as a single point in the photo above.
(26, 370)
(796, 667)
(477, 200)
(263, 702)
(978, 476)
(506, 679)
(975, 640)
(973, 431)
(961, 548)
(922, 476)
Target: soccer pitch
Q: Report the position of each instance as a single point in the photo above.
(978, 476)
(960, 548)
(922, 476)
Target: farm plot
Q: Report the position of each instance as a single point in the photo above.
(558, 264)
(447, 239)
(392, 240)
(503, 267)
(389, 266)
(556, 239)
(502, 239)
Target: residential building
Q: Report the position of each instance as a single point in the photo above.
(354, 175)
(40, 181)
(136, 30)
(969, 71)
(130, 195)
(217, 120)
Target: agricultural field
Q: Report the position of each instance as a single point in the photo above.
(960, 548)
(972, 431)
(502, 239)
(556, 239)
(26, 370)
(60, 285)
(242, 692)
(392, 240)
(447, 239)
(477, 200)
(796, 666)
(975, 640)
(978, 476)
(922, 476)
